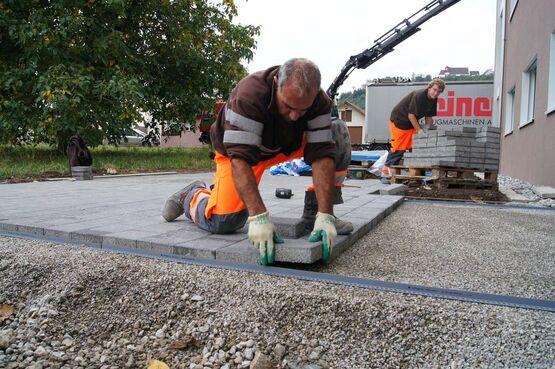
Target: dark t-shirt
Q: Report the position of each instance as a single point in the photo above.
(417, 103)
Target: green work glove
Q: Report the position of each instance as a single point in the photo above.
(262, 234)
(324, 229)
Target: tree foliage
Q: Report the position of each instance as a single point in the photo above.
(357, 97)
(94, 66)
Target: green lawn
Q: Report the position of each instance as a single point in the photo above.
(43, 161)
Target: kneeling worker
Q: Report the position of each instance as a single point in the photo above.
(404, 121)
(272, 116)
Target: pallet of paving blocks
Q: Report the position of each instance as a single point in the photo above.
(457, 147)
(463, 150)
(445, 177)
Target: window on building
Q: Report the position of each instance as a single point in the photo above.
(551, 77)
(347, 115)
(528, 100)
(510, 111)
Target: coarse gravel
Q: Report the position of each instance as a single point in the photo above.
(525, 189)
(82, 308)
(484, 249)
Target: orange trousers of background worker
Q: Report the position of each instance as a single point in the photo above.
(401, 141)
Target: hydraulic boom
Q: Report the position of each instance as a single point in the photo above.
(385, 44)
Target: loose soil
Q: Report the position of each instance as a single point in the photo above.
(476, 195)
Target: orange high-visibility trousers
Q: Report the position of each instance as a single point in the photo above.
(401, 141)
(221, 209)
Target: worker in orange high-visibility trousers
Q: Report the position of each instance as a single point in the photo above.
(404, 118)
(272, 116)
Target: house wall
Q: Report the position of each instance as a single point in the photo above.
(355, 124)
(527, 153)
(187, 139)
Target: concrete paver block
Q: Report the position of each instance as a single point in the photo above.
(240, 252)
(203, 248)
(289, 227)
(119, 241)
(31, 230)
(8, 227)
(512, 195)
(545, 192)
(154, 247)
(91, 237)
(394, 189)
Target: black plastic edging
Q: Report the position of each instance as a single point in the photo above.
(405, 288)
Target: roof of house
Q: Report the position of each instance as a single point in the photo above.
(354, 107)
(454, 70)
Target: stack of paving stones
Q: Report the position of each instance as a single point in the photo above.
(460, 147)
(82, 172)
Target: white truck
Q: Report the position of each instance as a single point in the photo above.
(463, 103)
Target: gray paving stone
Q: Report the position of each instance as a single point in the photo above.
(202, 248)
(119, 241)
(124, 214)
(512, 195)
(90, 236)
(176, 237)
(240, 252)
(289, 227)
(394, 189)
(31, 230)
(545, 192)
(154, 247)
(52, 233)
(8, 227)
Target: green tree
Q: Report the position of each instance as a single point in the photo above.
(93, 66)
(421, 77)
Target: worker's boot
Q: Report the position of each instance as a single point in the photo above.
(311, 208)
(174, 204)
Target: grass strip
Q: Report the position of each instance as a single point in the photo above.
(42, 161)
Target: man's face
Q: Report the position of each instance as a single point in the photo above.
(290, 104)
(434, 91)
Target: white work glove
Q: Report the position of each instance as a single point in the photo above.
(262, 234)
(324, 229)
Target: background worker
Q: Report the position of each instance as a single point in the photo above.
(404, 118)
(272, 116)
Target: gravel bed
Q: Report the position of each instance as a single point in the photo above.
(502, 251)
(525, 189)
(83, 308)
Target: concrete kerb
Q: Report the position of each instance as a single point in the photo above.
(124, 214)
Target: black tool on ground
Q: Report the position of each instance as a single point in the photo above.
(284, 193)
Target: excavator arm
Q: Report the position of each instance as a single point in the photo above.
(386, 43)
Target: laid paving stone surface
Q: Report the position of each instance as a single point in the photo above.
(124, 213)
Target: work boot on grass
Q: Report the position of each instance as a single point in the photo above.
(174, 204)
(309, 215)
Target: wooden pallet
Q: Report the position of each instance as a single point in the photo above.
(444, 177)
